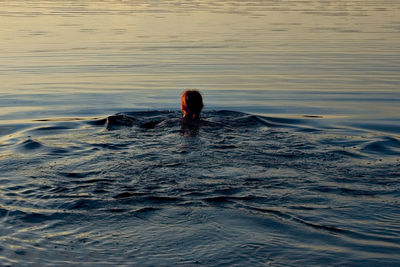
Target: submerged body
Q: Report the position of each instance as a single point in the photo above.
(191, 106)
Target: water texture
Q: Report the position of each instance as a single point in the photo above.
(235, 189)
(101, 57)
(295, 162)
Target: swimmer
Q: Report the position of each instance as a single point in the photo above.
(191, 104)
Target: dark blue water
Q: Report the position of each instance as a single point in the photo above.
(146, 189)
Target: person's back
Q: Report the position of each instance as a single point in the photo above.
(191, 104)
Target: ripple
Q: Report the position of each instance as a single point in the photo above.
(78, 174)
(387, 146)
(242, 179)
(30, 145)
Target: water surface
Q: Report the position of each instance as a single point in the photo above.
(296, 161)
(286, 57)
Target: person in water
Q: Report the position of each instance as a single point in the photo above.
(191, 104)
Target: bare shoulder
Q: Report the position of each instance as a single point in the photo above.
(121, 120)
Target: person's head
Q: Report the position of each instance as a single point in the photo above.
(191, 104)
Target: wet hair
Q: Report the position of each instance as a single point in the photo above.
(191, 104)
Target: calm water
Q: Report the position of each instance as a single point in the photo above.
(296, 161)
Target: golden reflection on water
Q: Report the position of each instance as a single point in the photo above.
(92, 45)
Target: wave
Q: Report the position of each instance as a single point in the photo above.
(264, 183)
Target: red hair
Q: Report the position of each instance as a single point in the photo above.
(191, 104)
